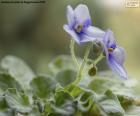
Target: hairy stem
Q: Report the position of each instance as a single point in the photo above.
(73, 53)
(101, 56)
(79, 74)
(95, 62)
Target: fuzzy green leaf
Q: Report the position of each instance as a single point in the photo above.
(4, 108)
(43, 86)
(65, 77)
(61, 63)
(6, 81)
(64, 104)
(18, 101)
(18, 69)
(133, 111)
(108, 104)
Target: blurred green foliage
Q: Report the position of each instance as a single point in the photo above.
(55, 94)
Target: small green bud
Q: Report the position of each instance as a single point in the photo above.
(92, 71)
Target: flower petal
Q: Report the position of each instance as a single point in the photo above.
(70, 16)
(87, 23)
(109, 39)
(95, 32)
(116, 67)
(72, 33)
(81, 13)
(85, 38)
(119, 55)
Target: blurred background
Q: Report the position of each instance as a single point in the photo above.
(34, 32)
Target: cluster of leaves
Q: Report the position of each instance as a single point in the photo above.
(23, 93)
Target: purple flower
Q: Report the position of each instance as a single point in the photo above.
(79, 25)
(115, 55)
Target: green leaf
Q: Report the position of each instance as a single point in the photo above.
(43, 86)
(6, 81)
(65, 77)
(35, 112)
(17, 69)
(4, 108)
(100, 85)
(108, 104)
(61, 93)
(74, 90)
(84, 102)
(3, 103)
(18, 101)
(7, 112)
(125, 101)
(61, 63)
(133, 111)
(125, 94)
(63, 103)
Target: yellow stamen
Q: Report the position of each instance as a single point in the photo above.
(110, 49)
(79, 28)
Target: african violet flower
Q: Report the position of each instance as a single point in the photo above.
(115, 55)
(79, 25)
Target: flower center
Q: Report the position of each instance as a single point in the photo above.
(110, 49)
(79, 28)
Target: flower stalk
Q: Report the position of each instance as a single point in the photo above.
(101, 56)
(81, 68)
(73, 53)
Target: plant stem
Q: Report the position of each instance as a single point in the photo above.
(79, 74)
(101, 56)
(73, 53)
(95, 62)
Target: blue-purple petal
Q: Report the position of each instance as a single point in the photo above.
(109, 39)
(117, 68)
(85, 38)
(81, 14)
(72, 33)
(95, 32)
(87, 23)
(119, 55)
(70, 16)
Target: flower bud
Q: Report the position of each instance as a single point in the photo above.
(92, 71)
